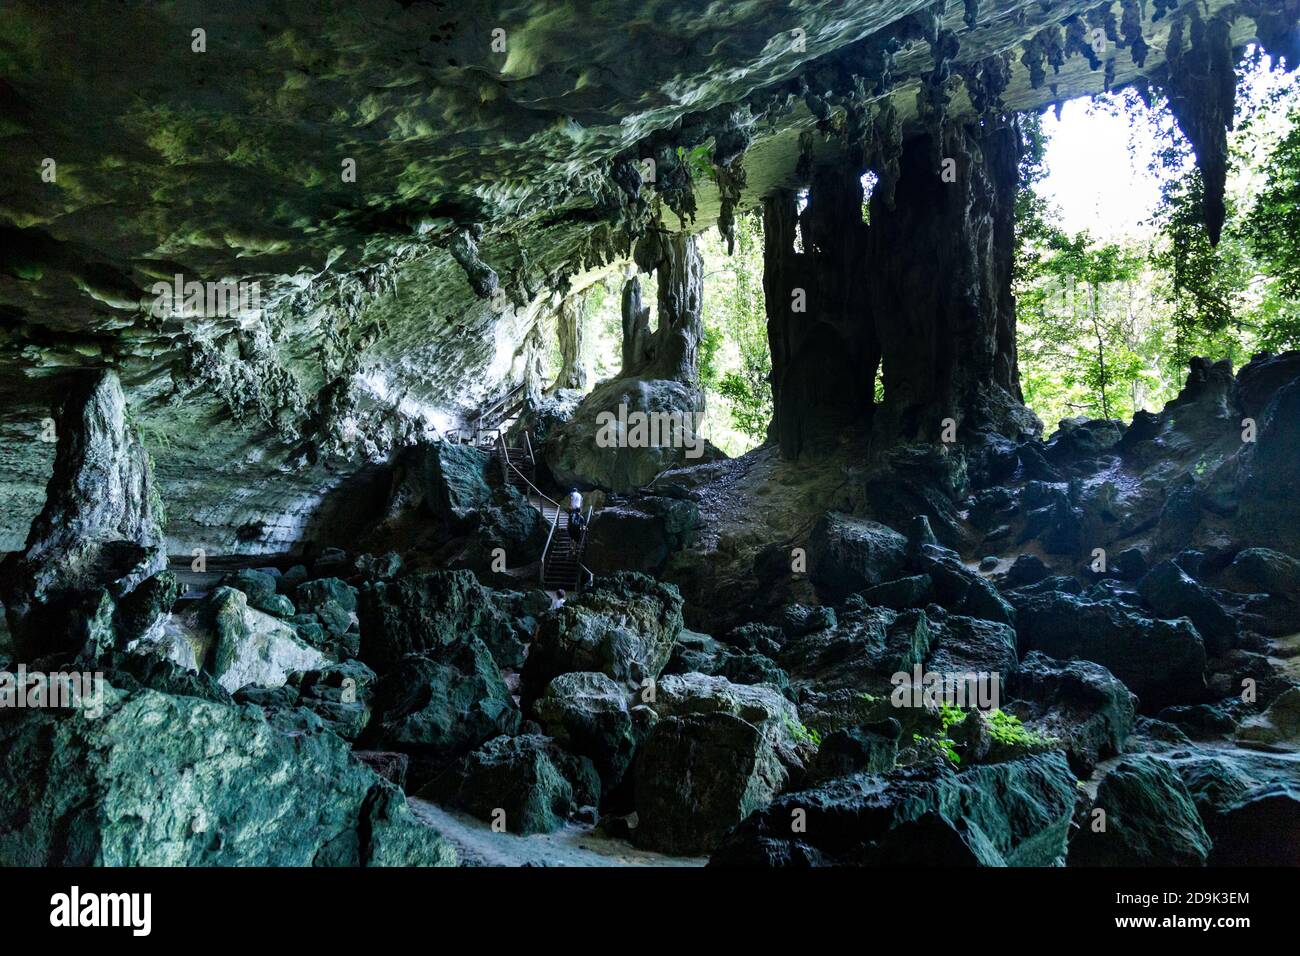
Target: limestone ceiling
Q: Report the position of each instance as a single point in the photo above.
(130, 155)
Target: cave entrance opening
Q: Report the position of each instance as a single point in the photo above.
(1117, 282)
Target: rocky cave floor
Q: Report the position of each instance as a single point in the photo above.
(727, 690)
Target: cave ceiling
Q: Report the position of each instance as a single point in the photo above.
(491, 142)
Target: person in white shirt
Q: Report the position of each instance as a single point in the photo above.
(575, 503)
(558, 600)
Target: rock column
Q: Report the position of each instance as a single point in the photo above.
(98, 536)
(939, 272)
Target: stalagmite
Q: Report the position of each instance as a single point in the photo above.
(569, 330)
(98, 536)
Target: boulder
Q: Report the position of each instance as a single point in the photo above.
(1171, 593)
(526, 784)
(960, 590)
(1279, 725)
(1264, 571)
(1163, 662)
(623, 626)
(640, 534)
(1026, 569)
(1078, 703)
(847, 554)
(914, 591)
(260, 589)
(600, 448)
(441, 705)
(312, 594)
(679, 695)
(866, 646)
(1150, 820)
(968, 645)
(1006, 814)
(1261, 378)
(1262, 828)
(252, 647)
(698, 776)
(701, 654)
(1079, 438)
(418, 613)
(454, 479)
(866, 748)
(588, 714)
(163, 780)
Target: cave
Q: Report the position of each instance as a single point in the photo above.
(365, 501)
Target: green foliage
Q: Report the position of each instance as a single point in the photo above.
(1107, 328)
(944, 746)
(805, 734)
(735, 360)
(1008, 729)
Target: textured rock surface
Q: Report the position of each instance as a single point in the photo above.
(170, 781)
(698, 776)
(623, 627)
(1150, 820)
(253, 647)
(588, 714)
(541, 138)
(1008, 814)
(525, 784)
(99, 534)
(440, 706)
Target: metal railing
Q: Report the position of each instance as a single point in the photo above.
(506, 467)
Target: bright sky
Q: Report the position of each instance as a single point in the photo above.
(1101, 186)
(1092, 177)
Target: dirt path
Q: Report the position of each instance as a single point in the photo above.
(574, 845)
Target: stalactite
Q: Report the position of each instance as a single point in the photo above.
(886, 150)
(1202, 86)
(464, 248)
(1276, 27)
(731, 182)
(932, 98)
(569, 332)
(1163, 7)
(1131, 25)
(1045, 46)
(804, 166)
(986, 80)
(637, 337)
(1078, 41)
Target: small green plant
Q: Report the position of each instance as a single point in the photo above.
(805, 734)
(950, 716)
(944, 746)
(1008, 729)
